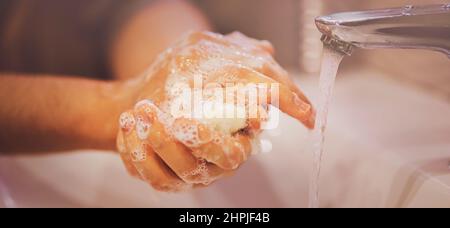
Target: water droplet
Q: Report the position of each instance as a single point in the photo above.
(407, 10)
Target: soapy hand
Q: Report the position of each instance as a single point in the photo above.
(175, 150)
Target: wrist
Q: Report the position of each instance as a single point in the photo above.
(111, 99)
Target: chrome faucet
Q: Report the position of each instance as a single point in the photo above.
(415, 27)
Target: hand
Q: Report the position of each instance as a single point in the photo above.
(173, 152)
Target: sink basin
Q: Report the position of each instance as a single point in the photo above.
(387, 145)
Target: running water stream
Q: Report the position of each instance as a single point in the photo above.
(330, 64)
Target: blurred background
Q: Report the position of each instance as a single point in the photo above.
(387, 144)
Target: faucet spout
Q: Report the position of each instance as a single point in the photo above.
(414, 27)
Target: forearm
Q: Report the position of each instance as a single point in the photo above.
(45, 113)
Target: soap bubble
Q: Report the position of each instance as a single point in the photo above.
(138, 154)
(126, 121)
(142, 129)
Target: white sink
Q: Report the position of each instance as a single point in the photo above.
(387, 145)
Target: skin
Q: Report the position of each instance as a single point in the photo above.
(50, 113)
(237, 59)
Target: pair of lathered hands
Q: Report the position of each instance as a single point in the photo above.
(149, 139)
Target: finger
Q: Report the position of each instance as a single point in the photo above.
(225, 174)
(235, 40)
(274, 71)
(197, 36)
(178, 157)
(160, 175)
(150, 167)
(204, 48)
(257, 46)
(254, 123)
(257, 52)
(292, 102)
(125, 156)
(288, 101)
(126, 124)
(269, 67)
(222, 149)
